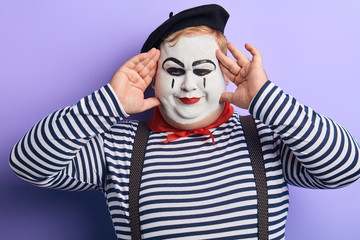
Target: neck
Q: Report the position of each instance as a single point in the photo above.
(196, 125)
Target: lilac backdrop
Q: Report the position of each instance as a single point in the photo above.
(52, 53)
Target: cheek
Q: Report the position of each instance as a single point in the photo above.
(214, 83)
(164, 84)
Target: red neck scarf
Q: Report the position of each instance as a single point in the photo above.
(158, 124)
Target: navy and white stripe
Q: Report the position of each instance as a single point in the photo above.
(190, 188)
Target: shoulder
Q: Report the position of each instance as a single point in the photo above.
(262, 129)
(123, 130)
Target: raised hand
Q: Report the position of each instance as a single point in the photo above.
(248, 75)
(131, 80)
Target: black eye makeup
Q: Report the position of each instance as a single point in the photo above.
(201, 71)
(175, 71)
(173, 66)
(203, 67)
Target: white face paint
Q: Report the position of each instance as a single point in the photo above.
(189, 81)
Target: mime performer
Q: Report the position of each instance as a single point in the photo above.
(197, 179)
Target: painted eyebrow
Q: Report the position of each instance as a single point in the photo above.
(198, 62)
(178, 62)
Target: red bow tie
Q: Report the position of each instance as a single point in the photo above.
(158, 124)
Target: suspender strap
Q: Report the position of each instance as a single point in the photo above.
(257, 162)
(137, 160)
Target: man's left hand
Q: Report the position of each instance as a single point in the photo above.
(248, 75)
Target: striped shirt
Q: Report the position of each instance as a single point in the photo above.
(190, 189)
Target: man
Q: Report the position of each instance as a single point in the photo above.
(197, 181)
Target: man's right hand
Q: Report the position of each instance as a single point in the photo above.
(131, 79)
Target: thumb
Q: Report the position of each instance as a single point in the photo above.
(226, 97)
(150, 103)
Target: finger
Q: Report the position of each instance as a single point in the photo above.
(132, 62)
(152, 63)
(136, 80)
(238, 55)
(150, 76)
(141, 58)
(227, 72)
(255, 53)
(228, 63)
(220, 55)
(147, 64)
(150, 66)
(150, 103)
(239, 80)
(226, 97)
(151, 52)
(227, 81)
(141, 64)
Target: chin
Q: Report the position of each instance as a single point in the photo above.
(191, 121)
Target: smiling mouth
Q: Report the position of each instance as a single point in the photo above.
(189, 100)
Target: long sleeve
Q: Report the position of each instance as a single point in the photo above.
(316, 152)
(65, 149)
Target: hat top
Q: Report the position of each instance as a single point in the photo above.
(211, 15)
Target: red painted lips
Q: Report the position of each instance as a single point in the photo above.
(189, 100)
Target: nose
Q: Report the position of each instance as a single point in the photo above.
(189, 83)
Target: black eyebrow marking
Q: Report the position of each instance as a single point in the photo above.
(178, 62)
(198, 62)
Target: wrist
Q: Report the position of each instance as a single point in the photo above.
(257, 101)
(116, 101)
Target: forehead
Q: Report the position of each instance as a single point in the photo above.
(190, 48)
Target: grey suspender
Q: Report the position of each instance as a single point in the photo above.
(257, 161)
(137, 160)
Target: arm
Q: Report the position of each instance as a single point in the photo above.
(315, 151)
(65, 149)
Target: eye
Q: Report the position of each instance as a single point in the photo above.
(201, 71)
(175, 71)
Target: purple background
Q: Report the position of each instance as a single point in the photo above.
(52, 53)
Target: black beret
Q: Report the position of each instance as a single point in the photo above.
(211, 15)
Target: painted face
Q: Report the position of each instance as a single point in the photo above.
(189, 81)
